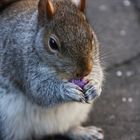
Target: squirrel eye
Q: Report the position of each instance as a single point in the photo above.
(53, 43)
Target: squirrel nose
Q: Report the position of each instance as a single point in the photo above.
(81, 74)
(83, 71)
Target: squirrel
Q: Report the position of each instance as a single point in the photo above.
(43, 45)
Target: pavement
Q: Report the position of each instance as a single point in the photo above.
(118, 110)
(117, 25)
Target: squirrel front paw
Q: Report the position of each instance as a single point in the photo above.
(72, 92)
(91, 91)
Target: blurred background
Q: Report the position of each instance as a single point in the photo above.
(117, 25)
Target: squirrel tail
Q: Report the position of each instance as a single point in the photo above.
(5, 3)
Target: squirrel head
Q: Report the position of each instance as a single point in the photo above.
(67, 37)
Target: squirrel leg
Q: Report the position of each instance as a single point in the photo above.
(85, 133)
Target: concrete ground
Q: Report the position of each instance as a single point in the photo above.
(118, 29)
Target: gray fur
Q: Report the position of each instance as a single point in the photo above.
(34, 92)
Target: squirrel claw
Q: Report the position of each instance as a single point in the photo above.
(91, 91)
(72, 92)
(90, 95)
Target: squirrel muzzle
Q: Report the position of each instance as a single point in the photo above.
(84, 68)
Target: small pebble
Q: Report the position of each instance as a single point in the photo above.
(119, 73)
(130, 100)
(122, 32)
(129, 73)
(124, 99)
(112, 117)
(126, 3)
(102, 7)
(137, 93)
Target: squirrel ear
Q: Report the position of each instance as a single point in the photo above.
(46, 9)
(81, 4)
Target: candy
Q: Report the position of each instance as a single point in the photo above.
(81, 83)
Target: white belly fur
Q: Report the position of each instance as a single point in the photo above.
(24, 118)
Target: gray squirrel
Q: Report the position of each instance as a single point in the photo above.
(44, 44)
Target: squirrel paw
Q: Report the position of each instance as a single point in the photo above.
(86, 133)
(91, 91)
(72, 92)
